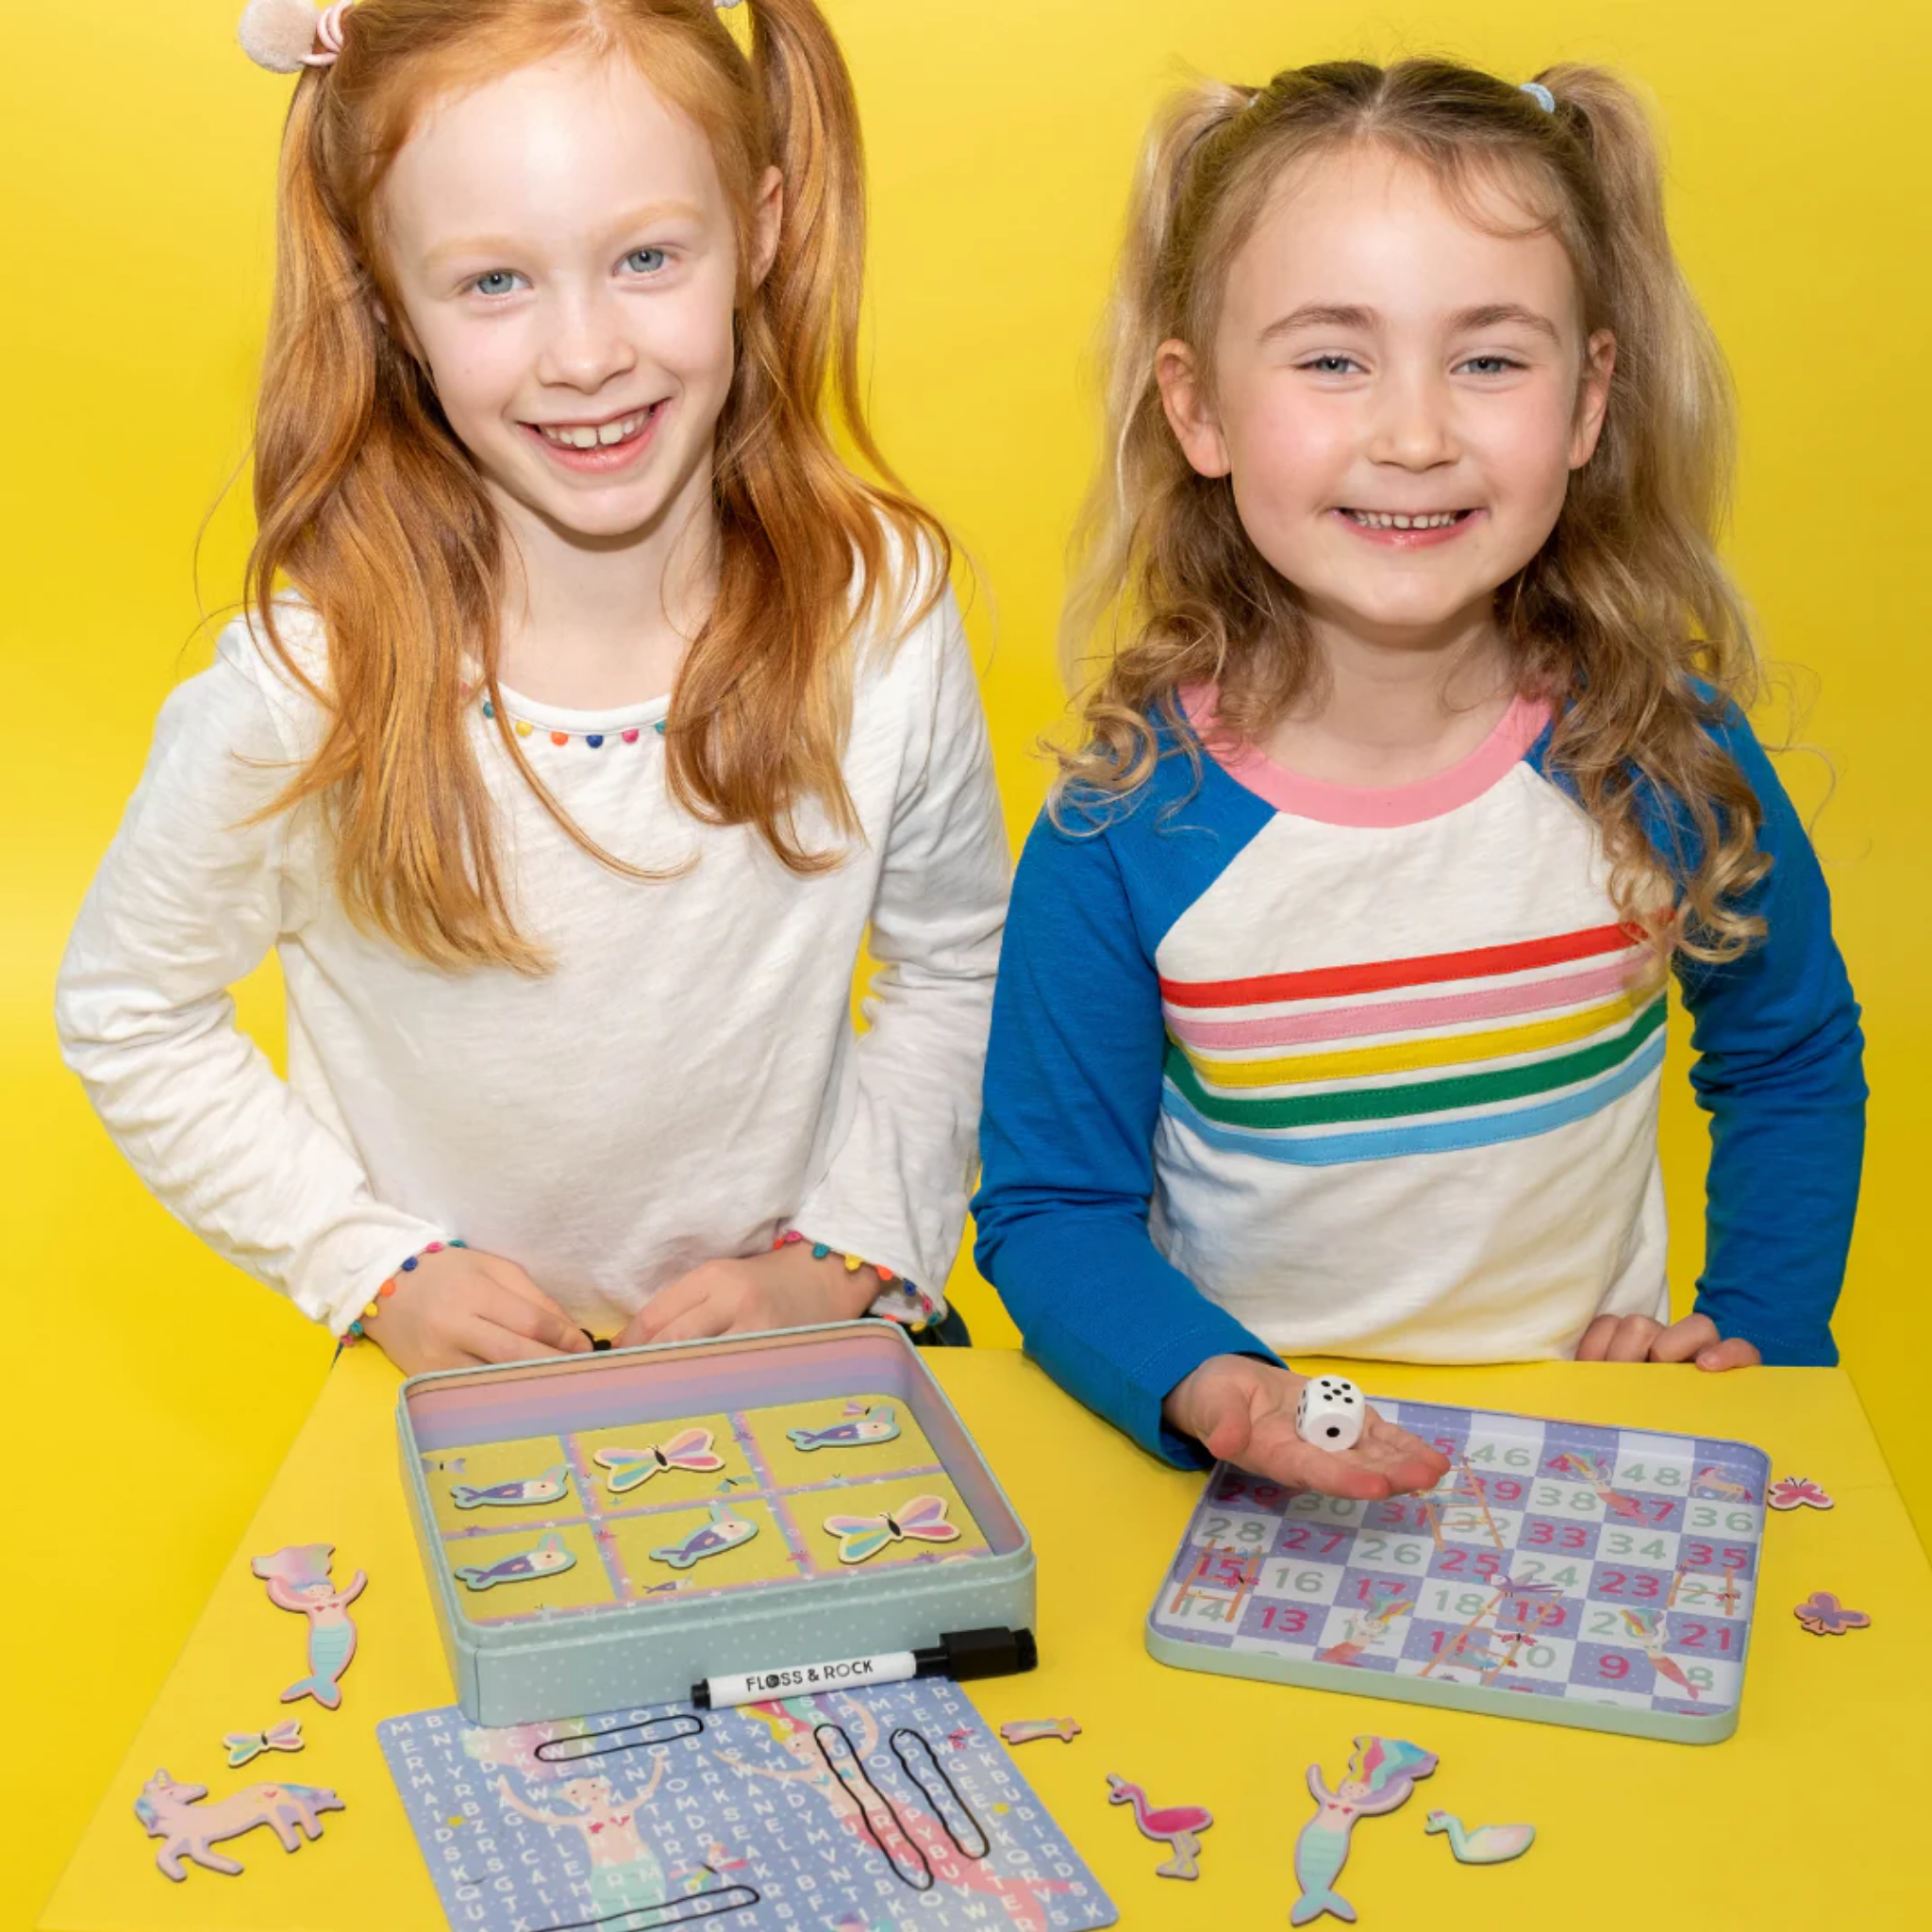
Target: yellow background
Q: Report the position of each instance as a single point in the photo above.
(136, 146)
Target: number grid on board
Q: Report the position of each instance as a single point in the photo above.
(1562, 1571)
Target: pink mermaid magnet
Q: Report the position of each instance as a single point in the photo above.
(1381, 1775)
(298, 1579)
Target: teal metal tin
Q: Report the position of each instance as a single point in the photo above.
(583, 1557)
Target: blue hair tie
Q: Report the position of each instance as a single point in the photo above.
(1539, 94)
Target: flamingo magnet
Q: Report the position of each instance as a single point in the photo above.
(1180, 1825)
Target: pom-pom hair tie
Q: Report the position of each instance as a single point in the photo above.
(286, 36)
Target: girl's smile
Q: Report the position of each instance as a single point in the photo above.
(568, 263)
(599, 447)
(1409, 529)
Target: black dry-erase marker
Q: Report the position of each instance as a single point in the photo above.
(959, 1654)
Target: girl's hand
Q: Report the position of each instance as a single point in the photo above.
(1638, 1339)
(457, 1308)
(1241, 1411)
(782, 1289)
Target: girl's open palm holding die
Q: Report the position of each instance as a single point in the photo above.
(1244, 1411)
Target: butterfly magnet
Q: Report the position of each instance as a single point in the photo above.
(923, 1518)
(625, 1469)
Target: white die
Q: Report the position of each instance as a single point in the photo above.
(1330, 1414)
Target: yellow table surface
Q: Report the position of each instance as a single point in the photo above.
(1806, 1818)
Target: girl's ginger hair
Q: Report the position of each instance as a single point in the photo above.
(368, 504)
(1624, 620)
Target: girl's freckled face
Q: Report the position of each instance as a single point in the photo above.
(566, 261)
(1381, 355)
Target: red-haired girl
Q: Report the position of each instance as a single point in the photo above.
(587, 714)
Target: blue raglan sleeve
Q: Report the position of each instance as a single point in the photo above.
(1779, 1069)
(1073, 1094)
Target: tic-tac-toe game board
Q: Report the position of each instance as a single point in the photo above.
(723, 1503)
(817, 1814)
(1559, 1571)
(641, 1521)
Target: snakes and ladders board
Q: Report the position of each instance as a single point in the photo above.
(1559, 1571)
(897, 1806)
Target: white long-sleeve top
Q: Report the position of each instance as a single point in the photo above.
(685, 1082)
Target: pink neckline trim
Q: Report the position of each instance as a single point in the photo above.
(1374, 805)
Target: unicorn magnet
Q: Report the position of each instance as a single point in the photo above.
(177, 1813)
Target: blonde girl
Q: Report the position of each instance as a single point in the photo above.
(588, 714)
(1331, 1016)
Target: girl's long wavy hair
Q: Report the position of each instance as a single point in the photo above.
(368, 504)
(1624, 620)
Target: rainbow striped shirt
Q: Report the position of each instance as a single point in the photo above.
(1281, 1066)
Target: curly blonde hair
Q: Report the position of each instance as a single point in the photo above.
(1625, 621)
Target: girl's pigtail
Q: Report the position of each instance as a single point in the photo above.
(815, 284)
(320, 348)
(1681, 453)
(405, 804)
(1668, 467)
(784, 491)
(1143, 467)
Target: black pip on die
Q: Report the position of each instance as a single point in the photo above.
(1331, 1412)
